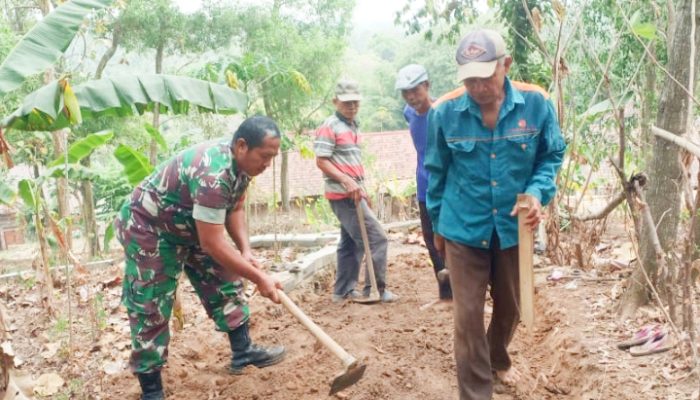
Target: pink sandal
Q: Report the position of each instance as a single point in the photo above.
(656, 344)
(640, 337)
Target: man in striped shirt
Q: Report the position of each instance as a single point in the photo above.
(339, 156)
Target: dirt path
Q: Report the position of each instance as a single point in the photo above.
(409, 351)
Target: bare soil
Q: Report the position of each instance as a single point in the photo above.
(408, 348)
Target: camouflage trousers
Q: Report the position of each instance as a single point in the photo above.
(153, 267)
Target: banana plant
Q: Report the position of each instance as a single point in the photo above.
(57, 105)
(46, 42)
(7, 194)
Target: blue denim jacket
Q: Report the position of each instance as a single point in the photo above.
(476, 173)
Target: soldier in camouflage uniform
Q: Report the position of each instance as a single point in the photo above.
(176, 219)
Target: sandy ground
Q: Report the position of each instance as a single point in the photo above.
(408, 349)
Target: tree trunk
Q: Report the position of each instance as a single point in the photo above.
(153, 156)
(647, 109)
(666, 179)
(47, 283)
(59, 141)
(284, 173)
(116, 37)
(91, 234)
(284, 180)
(90, 220)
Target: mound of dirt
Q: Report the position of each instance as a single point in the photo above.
(407, 346)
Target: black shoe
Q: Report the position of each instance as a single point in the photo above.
(246, 353)
(151, 386)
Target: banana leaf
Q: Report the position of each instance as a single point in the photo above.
(45, 42)
(84, 147)
(44, 109)
(27, 191)
(7, 194)
(136, 165)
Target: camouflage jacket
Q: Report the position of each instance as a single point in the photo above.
(202, 182)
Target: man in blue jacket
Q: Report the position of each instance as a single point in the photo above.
(412, 81)
(487, 142)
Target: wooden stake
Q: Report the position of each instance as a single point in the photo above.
(525, 251)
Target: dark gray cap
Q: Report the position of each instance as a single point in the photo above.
(478, 54)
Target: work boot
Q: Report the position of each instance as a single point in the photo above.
(445, 291)
(151, 386)
(245, 352)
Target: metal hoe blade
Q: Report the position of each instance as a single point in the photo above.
(349, 377)
(371, 299)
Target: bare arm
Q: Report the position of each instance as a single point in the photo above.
(353, 189)
(237, 228)
(214, 243)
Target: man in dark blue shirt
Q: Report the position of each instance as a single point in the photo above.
(412, 81)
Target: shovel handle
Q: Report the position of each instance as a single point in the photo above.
(368, 251)
(347, 359)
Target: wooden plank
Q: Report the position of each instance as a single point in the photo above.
(525, 260)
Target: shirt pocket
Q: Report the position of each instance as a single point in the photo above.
(465, 159)
(522, 147)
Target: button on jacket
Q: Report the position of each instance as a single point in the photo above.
(476, 173)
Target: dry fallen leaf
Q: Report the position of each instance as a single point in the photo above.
(113, 367)
(51, 350)
(48, 384)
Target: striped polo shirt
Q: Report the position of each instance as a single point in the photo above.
(338, 140)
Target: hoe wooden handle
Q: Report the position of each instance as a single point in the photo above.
(525, 250)
(347, 359)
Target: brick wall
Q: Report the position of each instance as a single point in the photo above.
(390, 160)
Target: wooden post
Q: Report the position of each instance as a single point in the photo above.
(525, 251)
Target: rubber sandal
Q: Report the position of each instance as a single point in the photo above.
(658, 343)
(640, 337)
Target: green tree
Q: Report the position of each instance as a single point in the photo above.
(292, 54)
(159, 25)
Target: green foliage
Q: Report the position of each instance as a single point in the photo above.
(45, 43)
(75, 390)
(7, 194)
(645, 30)
(84, 147)
(27, 191)
(427, 19)
(28, 282)
(109, 236)
(100, 311)
(290, 58)
(124, 96)
(155, 135)
(154, 24)
(136, 165)
(61, 326)
(318, 212)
